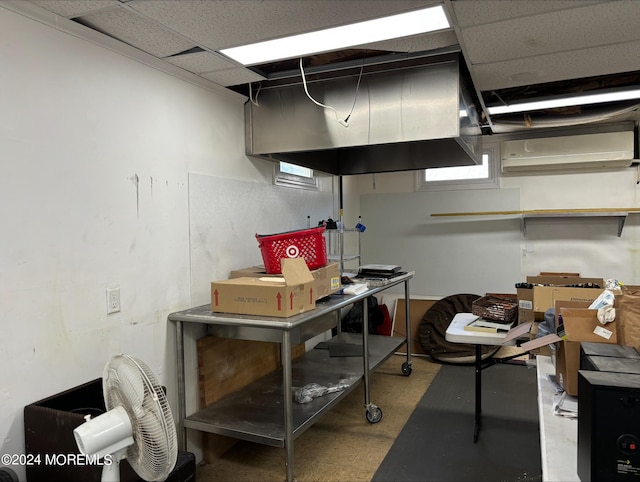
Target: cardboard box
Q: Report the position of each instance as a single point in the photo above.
(627, 305)
(327, 278)
(545, 290)
(579, 324)
(283, 296)
(560, 305)
(543, 350)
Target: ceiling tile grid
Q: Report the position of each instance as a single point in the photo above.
(507, 44)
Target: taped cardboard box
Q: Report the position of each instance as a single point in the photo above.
(327, 278)
(579, 324)
(285, 296)
(543, 291)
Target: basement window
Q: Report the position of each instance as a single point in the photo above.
(484, 176)
(292, 175)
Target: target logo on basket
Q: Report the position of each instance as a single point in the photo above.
(292, 251)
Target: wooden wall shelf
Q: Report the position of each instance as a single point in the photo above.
(619, 213)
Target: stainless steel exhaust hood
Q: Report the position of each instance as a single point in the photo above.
(411, 114)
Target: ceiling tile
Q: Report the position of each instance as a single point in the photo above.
(418, 43)
(138, 31)
(474, 12)
(75, 8)
(561, 31)
(235, 76)
(238, 22)
(561, 66)
(201, 62)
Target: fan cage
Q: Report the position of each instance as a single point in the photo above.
(128, 382)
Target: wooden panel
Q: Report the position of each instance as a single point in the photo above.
(226, 365)
(417, 310)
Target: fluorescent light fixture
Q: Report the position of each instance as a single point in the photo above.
(566, 101)
(394, 26)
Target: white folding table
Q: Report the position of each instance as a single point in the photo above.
(457, 334)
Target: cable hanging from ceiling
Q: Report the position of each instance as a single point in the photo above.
(254, 101)
(343, 122)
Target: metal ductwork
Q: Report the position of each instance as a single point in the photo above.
(410, 114)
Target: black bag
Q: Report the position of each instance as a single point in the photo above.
(352, 321)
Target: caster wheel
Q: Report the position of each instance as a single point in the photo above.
(374, 415)
(406, 369)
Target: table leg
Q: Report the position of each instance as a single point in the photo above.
(373, 412)
(182, 403)
(287, 385)
(478, 410)
(407, 313)
(365, 350)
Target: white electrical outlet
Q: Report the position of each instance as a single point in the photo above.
(113, 300)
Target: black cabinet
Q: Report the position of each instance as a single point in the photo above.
(51, 448)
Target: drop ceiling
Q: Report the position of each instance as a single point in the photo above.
(513, 49)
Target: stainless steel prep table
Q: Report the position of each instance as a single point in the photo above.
(261, 412)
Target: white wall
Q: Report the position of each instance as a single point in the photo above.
(491, 253)
(448, 255)
(99, 158)
(97, 151)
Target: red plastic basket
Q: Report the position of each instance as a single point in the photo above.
(307, 243)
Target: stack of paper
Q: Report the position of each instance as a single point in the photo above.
(355, 289)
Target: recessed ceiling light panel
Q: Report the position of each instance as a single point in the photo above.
(587, 99)
(336, 38)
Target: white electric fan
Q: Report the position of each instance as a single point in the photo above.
(138, 424)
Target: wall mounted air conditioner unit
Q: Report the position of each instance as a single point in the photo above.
(590, 151)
